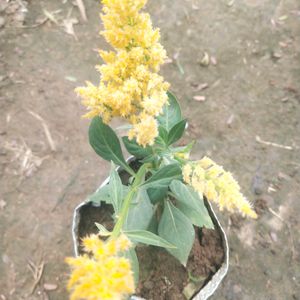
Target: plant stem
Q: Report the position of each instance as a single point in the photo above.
(172, 195)
(139, 177)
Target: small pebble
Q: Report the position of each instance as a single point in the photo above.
(205, 61)
(230, 120)
(50, 286)
(283, 176)
(148, 285)
(6, 259)
(276, 55)
(2, 22)
(2, 204)
(199, 98)
(273, 236)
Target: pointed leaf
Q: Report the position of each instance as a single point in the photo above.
(162, 139)
(191, 204)
(157, 194)
(148, 238)
(102, 230)
(106, 143)
(176, 132)
(171, 113)
(116, 189)
(131, 255)
(168, 159)
(140, 212)
(183, 149)
(178, 230)
(135, 149)
(164, 176)
(153, 226)
(104, 194)
(149, 159)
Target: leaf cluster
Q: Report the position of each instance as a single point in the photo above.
(155, 208)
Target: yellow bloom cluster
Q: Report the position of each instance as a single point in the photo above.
(103, 276)
(210, 179)
(130, 86)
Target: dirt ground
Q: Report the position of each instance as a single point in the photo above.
(248, 119)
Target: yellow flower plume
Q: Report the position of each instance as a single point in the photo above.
(105, 275)
(210, 179)
(130, 86)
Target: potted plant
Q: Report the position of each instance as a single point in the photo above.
(149, 230)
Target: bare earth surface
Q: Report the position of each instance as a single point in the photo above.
(249, 121)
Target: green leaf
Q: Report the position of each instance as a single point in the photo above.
(135, 149)
(134, 262)
(148, 238)
(106, 143)
(176, 132)
(153, 226)
(104, 194)
(183, 149)
(102, 230)
(168, 160)
(191, 204)
(116, 189)
(171, 113)
(178, 230)
(140, 212)
(164, 176)
(149, 159)
(162, 139)
(157, 194)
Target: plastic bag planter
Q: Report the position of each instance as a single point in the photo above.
(208, 289)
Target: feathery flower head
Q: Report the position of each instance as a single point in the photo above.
(105, 275)
(210, 179)
(130, 86)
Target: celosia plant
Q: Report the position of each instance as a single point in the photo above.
(165, 198)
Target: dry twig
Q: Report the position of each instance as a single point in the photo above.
(40, 23)
(259, 140)
(68, 25)
(46, 130)
(37, 272)
(50, 16)
(82, 10)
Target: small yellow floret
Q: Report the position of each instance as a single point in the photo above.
(105, 275)
(145, 130)
(210, 179)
